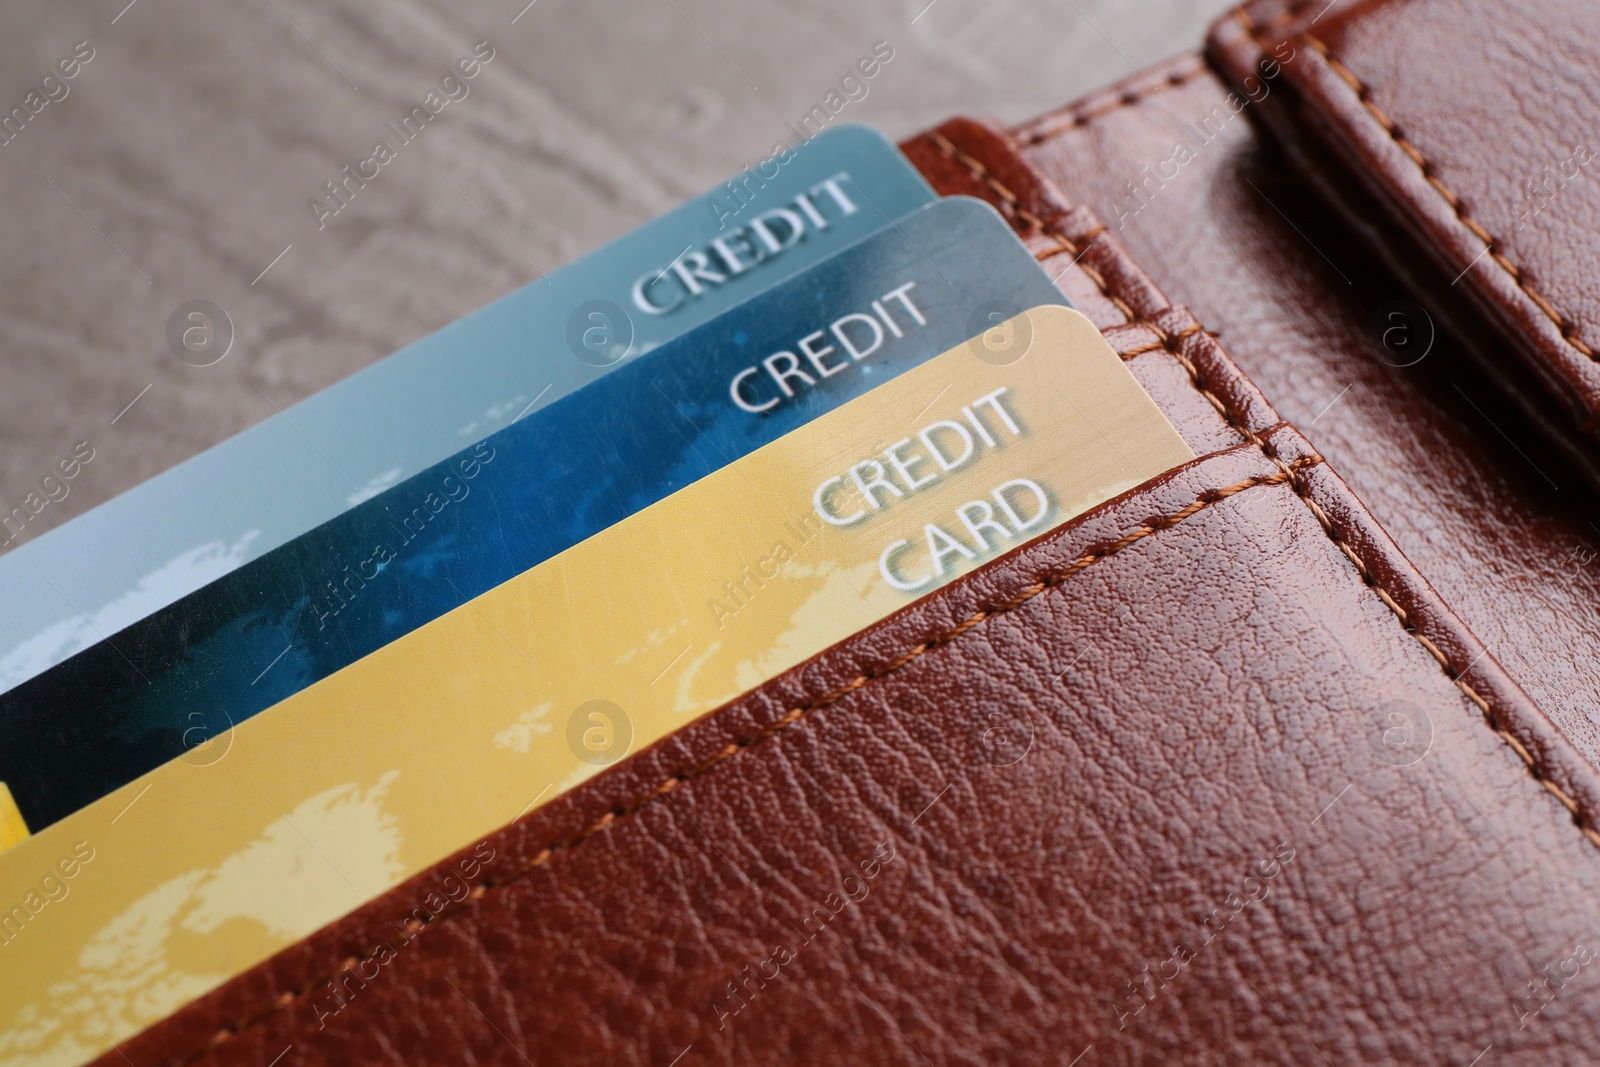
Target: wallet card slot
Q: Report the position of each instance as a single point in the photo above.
(1093, 744)
(1211, 403)
(1249, 624)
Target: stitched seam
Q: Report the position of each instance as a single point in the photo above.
(1567, 329)
(1287, 472)
(1255, 31)
(1063, 245)
(1067, 245)
(1079, 119)
(1491, 716)
(982, 173)
(414, 926)
(1166, 343)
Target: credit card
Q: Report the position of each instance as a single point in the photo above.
(66, 589)
(12, 828)
(427, 745)
(185, 674)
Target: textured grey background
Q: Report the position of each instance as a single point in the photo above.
(180, 164)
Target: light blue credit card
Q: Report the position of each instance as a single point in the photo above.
(233, 503)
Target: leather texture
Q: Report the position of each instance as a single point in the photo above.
(1058, 828)
(1210, 774)
(1480, 495)
(1238, 46)
(1471, 132)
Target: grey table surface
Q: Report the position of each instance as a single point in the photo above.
(180, 162)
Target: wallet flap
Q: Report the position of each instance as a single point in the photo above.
(1465, 131)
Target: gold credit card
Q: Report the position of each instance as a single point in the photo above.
(12, 828)
(213, 862)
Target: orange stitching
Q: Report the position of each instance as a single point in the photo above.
(1286, 473)
(1063, 245)
(1457, 676)
(1564, 326)
(733, 748)
(1069, 247)
(1491, 717)
(1165, 343)
(1088, 237)
(1067, 244)
(982, 173)
(1078, 119)
(1363, 93)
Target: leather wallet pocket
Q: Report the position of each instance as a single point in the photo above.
(1208, 768)
(1209, 765)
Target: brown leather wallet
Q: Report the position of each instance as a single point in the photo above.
(1258, 762)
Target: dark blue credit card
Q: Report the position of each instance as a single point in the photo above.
(188, 672)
